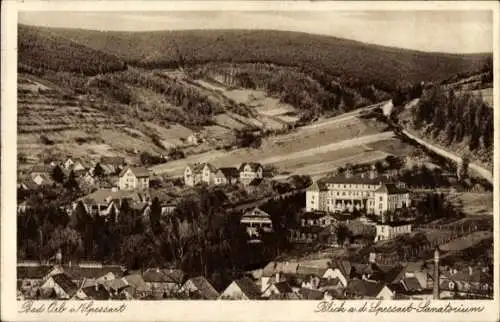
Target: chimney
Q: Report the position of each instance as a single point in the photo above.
(372, 258)
(435, 290)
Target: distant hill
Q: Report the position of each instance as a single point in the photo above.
(341, 57)
(40, 48)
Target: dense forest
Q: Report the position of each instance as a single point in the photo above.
(312, 92)
(40, 49)
(201, 237)
(351, 59)
(456, 119)
(315, 74)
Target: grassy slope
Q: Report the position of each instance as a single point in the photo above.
(338, 56)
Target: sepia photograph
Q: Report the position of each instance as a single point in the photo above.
(254, 155)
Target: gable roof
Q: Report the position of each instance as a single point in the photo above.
(310, 294)
(248, 287)
(280, 267)
(97, 292)
(325, 282)
(317, 186)
(283, 287)
(33, 272)
(65, 282)
(364, 288)
(344, 267)
(135, 281)
(205, 289)
(196, 167)
(230, 172)
(79, 273)
(311, 271)
(391, 188)
(156, 275)
(139, 172)
(254, 166)
(256, 213)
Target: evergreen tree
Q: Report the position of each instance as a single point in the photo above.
(72, 183)
(98, 171)
(58, 174)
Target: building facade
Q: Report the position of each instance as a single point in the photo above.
(371, 193)
(389, 231)
(134, 178)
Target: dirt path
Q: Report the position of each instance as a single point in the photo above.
(485, 173)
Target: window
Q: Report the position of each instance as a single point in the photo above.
(381, 198)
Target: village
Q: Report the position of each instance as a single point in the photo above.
(360, 210)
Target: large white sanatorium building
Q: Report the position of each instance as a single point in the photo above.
(371, 193)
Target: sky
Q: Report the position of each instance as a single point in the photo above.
(466, 31)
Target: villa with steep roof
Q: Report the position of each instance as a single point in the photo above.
(198, 173)
(371, 193)
(250, 171)
(255, 221)
(134, 178)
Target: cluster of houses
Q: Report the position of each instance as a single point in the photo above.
(332, 279)
(206, 173)
(105, 172)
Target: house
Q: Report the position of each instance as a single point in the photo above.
(311, 294)
(386, 231)
(64, 288)
(256, 221)
(68, 163)
(372, 193)
(241, 289)
(467, 282)
(275, 272)
(42, 179)
(102, 202)
(198, 173)
(364, 289)
(225, 176)
(97, 292)
(131, 178)
(136, 287)
(199, 288)
(163, 281)
(389, 197)
(280, 291)
(316, 196)
(31, 277)
(91, 273)
(195, 139)
(250, 171)
(307, 234)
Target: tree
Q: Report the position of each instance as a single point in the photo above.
(67, 240)
(72, 183)
(463, 170)
(58, 174)
(98, 171)
(343, 233)
(155, 215)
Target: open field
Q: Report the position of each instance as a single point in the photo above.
(308, 150)
(472, 203)
(466, 241)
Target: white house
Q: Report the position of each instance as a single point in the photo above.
(225, 176)
(242, 289)
(389, 197)
(316, 196)
(250, 171)
(256, 220)
(199, 173)
(64, 287)
(390, 230)
(132, 178)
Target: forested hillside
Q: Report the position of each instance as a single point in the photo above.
(340, 57)
(460, 121)
(41, 49)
